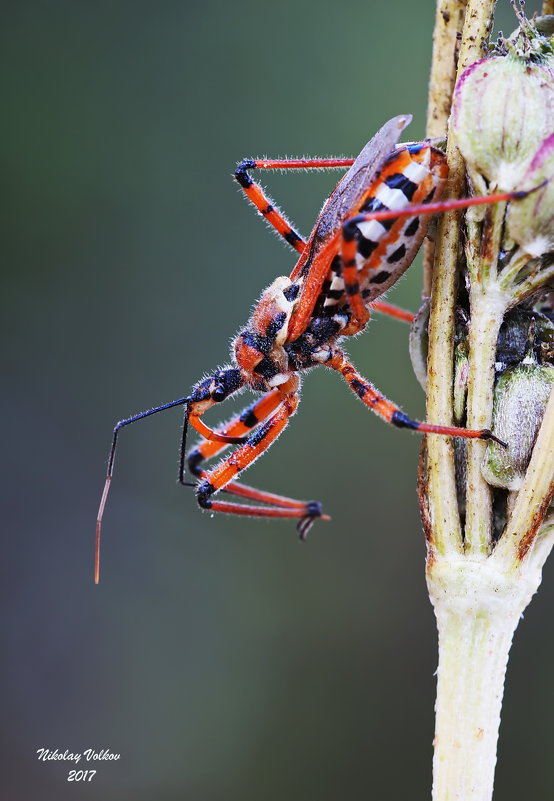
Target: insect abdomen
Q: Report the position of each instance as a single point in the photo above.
(412, 175)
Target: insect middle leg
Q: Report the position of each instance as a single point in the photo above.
(388, 411)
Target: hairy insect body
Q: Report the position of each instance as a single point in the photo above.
(364, 239)
(259, 349)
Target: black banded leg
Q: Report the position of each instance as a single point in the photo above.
(388, 411)
(222, 476)
(239, 426)
(257, 196)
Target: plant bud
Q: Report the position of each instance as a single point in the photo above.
(513, 337)
(503, 112)
(520, 397)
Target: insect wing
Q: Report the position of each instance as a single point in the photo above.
(314, 263)
(349, 192)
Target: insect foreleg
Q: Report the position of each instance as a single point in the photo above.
(240, 425)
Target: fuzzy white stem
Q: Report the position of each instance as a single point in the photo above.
(477, 609)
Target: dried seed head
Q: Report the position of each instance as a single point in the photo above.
(503, 112)
(513, 338)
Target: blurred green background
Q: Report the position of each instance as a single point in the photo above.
(219, 657)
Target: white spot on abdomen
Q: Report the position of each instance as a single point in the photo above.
(394, 199)
(372, 230)
(415, 172)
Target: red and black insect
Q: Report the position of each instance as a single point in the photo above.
(364, 239)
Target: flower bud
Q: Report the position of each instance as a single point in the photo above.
(513, 337)
(503, 111)
(520, 397)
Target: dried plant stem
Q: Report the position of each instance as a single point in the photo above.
(478, 597)
(449, 21)
(487, 312)
(442, 498)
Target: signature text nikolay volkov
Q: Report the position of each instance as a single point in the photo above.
(45, 754)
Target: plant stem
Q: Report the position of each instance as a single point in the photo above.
(449, 22)
(446, 535)
(487, 311)
(479, 585)
(478, 609)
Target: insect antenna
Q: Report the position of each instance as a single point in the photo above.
(183, 449)
(111, 458)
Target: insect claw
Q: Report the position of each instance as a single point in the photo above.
(523, 193)
(487, 434)
(314, 512)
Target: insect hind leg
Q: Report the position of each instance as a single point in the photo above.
(391, 413)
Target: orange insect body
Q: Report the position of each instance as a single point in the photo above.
(364, 239)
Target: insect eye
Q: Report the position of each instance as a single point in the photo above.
(219, 394)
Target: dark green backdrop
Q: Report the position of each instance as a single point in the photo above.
(221, 658)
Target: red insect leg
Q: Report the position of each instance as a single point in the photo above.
(264, 204)
(435, 208)
(284, 400)
(387, 410)
(240, 425)
(393, 311)
(221, 477)
(236, 428)
(256, 195)
(349, 241)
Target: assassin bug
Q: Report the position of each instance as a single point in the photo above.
(364, 239)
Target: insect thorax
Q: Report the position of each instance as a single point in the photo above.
(258, 349)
